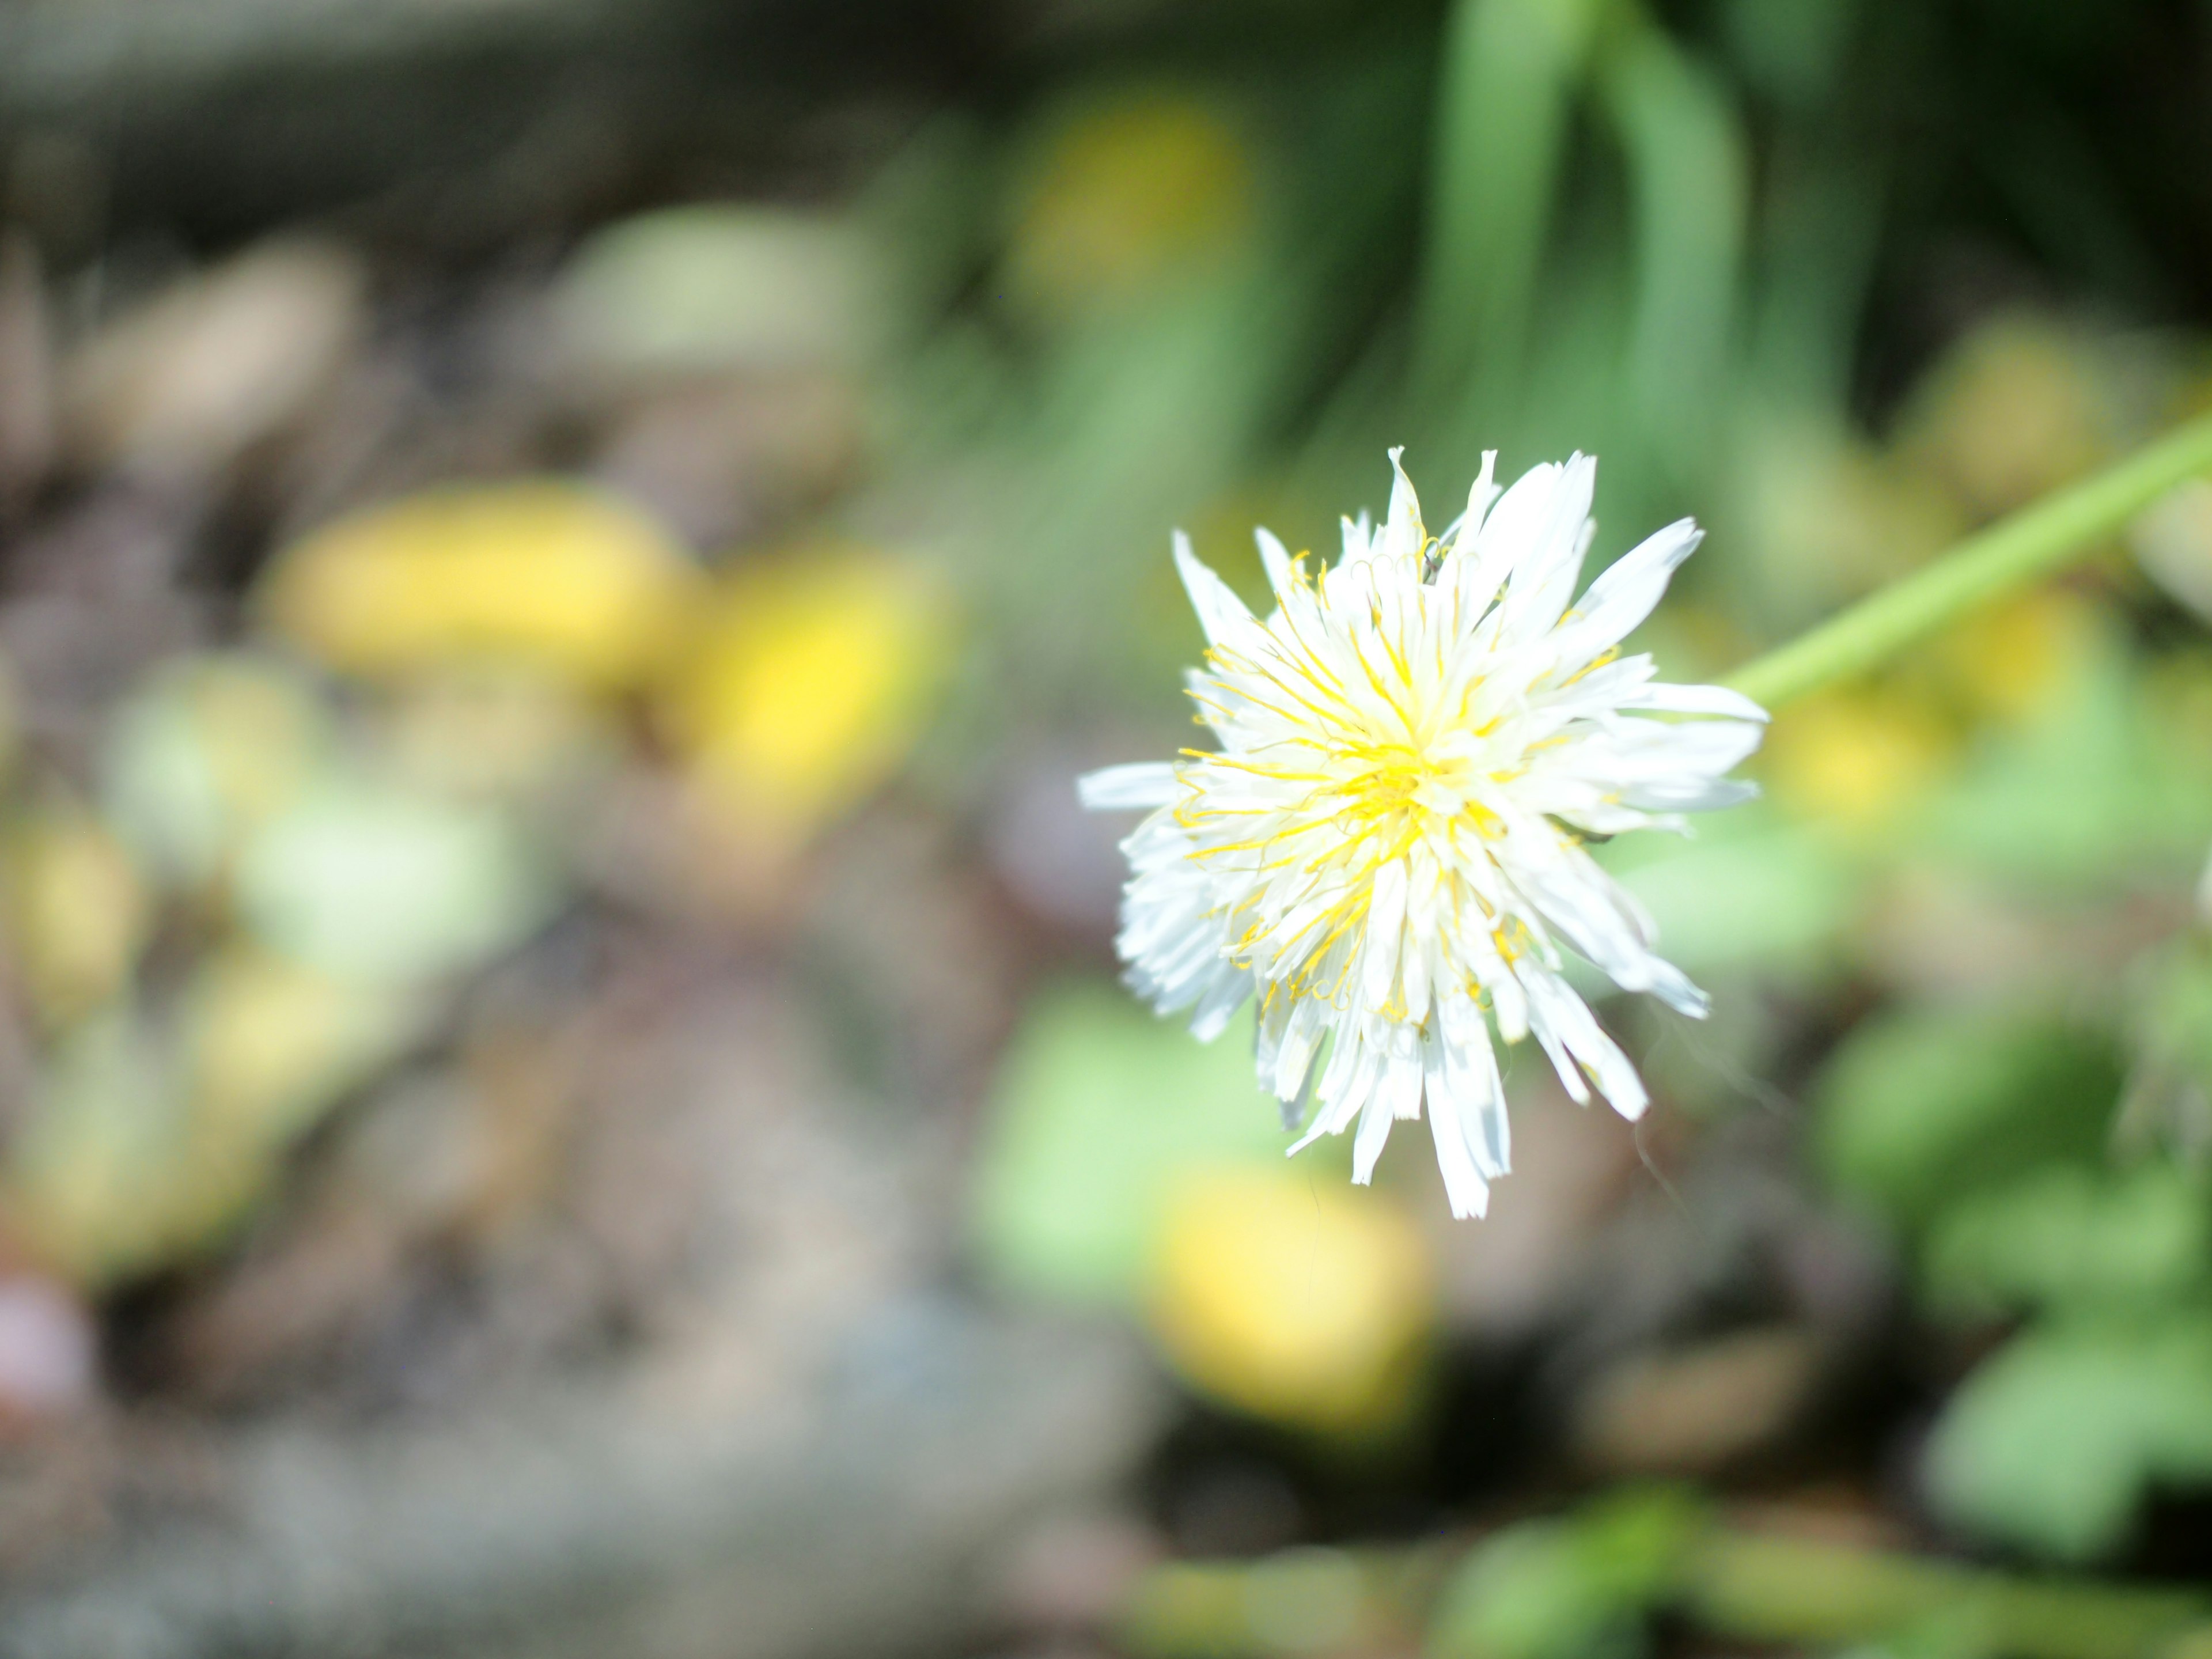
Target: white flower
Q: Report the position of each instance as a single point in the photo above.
(1387, 849)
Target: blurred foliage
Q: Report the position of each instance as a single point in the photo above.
(1640, 1571)
(1923, 1106)
(1560, 1590)
(2053, 1444)
(1099, 1109)
(805, 496)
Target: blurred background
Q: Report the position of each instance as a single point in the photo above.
(562, 1091)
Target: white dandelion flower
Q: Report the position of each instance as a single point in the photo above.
(1387, 849)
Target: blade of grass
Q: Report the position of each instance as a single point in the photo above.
(1510, 71)
(1684, 146)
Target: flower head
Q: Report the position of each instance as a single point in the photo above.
(1387, 848)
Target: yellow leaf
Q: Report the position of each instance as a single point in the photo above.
(811, 679)
(91, 1174)
(1300, 1301)
(147, 1143)
(539, 572)
(76, 911)
(270, 1045)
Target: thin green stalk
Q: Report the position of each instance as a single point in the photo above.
(2039, 539)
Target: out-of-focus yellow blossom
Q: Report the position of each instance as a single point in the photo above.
(810, 680)
(1293, 1300)
(214, 747)
(539, 572)
(2009, 661)
(77, 913)
(1856, 758)
(1124, 196)
(2014, 411)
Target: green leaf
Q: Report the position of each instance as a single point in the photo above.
(1578, 1588)
(2170, 1092)
(2092, 792)
(1750, 890)
(2051, 1444)
(2072, 1237)
(1918, 1107)
(1099, 1107)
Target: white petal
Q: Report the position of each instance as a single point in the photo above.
(1275, 559)
(1358, 540)
(1384, 920)
(1219, 1004)
(1625, 592)
(1545, 575)
(1142, 784)
(1695, 700)
(1220, 612)
(1508, 533)
(1402, 535)
(1375, 1120)
(1478, 497)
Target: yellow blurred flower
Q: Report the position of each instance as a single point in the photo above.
(536, 572)
(809, 682)
(1856, 758)
(2007, 661)
(1125, 194)
(1295, 1300)
(77, 913)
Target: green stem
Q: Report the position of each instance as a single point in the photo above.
(2039, 539)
